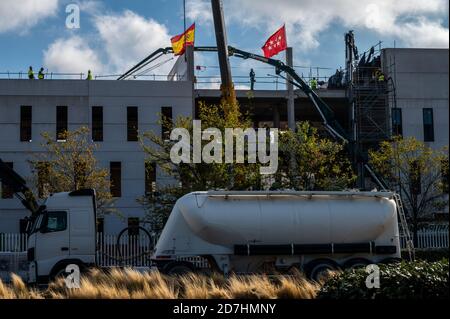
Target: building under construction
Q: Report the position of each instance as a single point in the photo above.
(411, 101)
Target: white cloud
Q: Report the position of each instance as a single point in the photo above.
(412, 22)
(128, 38)
(24, 14)
(72, 55)
(119, 40)
(199, 11)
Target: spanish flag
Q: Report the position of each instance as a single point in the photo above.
(180, 42)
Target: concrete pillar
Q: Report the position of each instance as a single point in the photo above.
(290, 92)
(276, 116)
(190, 73)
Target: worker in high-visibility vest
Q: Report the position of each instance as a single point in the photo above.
(313, 84)
(381, 77)
(41, 74)
(30, 73)
(89, 76)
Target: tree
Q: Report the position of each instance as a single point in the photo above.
(416, 171)
(70, 165)
(320, 164)
(311, 162)
(186, 178)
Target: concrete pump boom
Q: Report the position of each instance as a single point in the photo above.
(329, 119)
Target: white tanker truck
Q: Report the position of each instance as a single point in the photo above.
(241, 232)
(246, 232)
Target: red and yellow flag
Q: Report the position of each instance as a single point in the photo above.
(181, 41)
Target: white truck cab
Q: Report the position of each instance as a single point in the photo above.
(62, 233)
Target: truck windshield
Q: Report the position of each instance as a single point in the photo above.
(50, 221)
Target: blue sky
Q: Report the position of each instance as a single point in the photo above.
(115, 34)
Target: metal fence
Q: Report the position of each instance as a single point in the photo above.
(13, 243)
(433, 237)
(135, 250)
(130, 251)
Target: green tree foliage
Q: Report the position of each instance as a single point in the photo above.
(184, 177)
(416, 171)
(310, 162)
(320, 164)
(70, 164)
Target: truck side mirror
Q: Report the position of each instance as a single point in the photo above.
(43, 227)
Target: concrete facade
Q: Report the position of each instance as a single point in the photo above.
(80, 96)
(421, 80)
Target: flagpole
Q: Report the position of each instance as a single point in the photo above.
(184, 21)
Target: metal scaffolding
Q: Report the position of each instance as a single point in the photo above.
(371, 93)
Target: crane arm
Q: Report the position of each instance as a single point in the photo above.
(327, 114)
(152, 57)
(329, 119)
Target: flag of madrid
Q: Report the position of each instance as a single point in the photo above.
(276, 43)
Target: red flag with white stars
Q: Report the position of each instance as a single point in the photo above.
(276, 43)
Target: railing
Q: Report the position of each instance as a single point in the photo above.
(48, 75)
(13, 242)
(130, 251)
(135, 250)
(434, 237)
(83, 76)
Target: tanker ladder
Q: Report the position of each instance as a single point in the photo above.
(404, 224)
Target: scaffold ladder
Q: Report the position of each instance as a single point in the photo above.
(404, 224)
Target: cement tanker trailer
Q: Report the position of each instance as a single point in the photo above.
(247, 232)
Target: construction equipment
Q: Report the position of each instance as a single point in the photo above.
(250, 232)
(227, 86)
(405, 230)
(19, 187)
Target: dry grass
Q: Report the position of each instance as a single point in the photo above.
(131, 284)
(18, 290)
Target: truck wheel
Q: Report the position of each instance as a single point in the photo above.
(178, 268)
(356, 263)
(60, 272)
(317, 269)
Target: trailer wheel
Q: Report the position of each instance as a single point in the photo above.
(317, 269)
(356, 263)
(178, 268)
(60, 272)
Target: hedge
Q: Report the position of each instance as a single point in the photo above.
(405, 280)
(429, 254)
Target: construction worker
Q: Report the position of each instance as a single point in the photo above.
(381, 77)
(30, 73)
(252, 79)
(41, 74)
(313, 84)
(89, 76)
